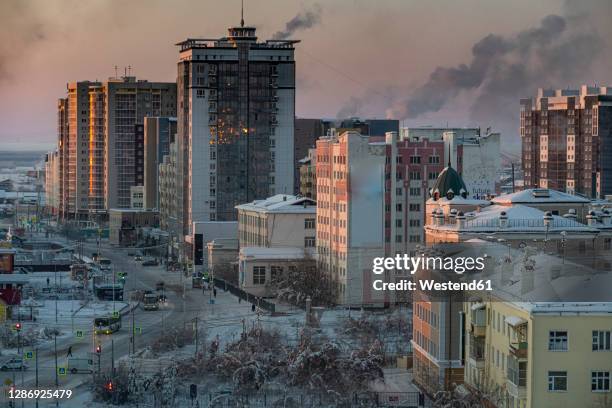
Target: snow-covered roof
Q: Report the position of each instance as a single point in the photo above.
(520, 218)
(539, 196)
(515, 321)
(281, 203)
(458, 200)
(272, 253)
(14, 278)
(536, 281)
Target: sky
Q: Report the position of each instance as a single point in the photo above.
(455, 62)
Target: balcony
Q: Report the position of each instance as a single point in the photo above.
(516, 382)
(478, 317)
(519, 349)
(477, 351)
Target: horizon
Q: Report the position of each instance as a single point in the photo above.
(472, 79)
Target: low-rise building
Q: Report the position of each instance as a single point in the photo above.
(223, 259)
(205, 232)
(260, 267)
(278, 221)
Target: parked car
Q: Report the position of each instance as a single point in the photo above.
(14, 364)
(150, 262)
(138, 258)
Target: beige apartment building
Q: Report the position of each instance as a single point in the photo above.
(539, 354)
(278, 221)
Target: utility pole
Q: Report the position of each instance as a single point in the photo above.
(113, 358)
(196, 336)
(133, 334)
(36, 357)
(56, 378)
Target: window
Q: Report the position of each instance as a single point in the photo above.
(415, 223)
(557, 381)
(432, 175)
(309, 223)
(275, 272)
(601, 340)
(415, 159)
(415, 175)
(557, 341)
(434, 159)
(259, 275)
(600, 381)
(415, 207)
(398, 223)
(398, 207)
(415, 191)
(309, 242)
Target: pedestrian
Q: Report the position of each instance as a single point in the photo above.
(69, 352)
(215, 292)
(239, 299)
(252, 307)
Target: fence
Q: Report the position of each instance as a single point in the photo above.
(257, 301)
(288, 398)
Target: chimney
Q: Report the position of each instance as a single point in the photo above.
(503, 219)
(461, 219)
(591, 218)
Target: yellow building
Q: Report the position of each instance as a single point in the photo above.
(539, 354)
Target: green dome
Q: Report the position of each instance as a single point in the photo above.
(448, 184)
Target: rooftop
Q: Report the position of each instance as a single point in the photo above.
(540, 196)
(281, 203)
(517, 218)
(272, 253)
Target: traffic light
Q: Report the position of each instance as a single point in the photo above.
(18, 326)
(98, 349)
(109, 386)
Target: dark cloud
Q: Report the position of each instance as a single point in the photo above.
(302, 20)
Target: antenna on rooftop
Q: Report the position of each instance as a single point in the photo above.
(242, 13)
(115, 71)
(129, 70)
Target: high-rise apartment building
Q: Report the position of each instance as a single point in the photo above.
(101, 141)
(306, 133)
(567, 140)
(350, 214)
(159, 132)
(236, 111)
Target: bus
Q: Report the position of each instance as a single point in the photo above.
(150, 301)
(107, 325)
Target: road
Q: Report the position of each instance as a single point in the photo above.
(179, 310)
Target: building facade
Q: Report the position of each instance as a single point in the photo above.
(278, 221)
(235, 125)
(308, 175)
(101, 142)
(159, 133)
(566, 137)
(306, 133)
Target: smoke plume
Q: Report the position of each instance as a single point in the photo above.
(504, 69)
(302, 20)
(20, 29)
